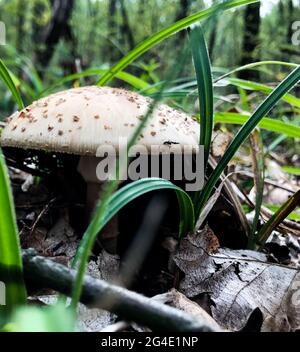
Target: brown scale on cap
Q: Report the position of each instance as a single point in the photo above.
(60, 101)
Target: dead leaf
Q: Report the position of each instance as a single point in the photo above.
(176, 299)
(61, 240)
(220, 142)
(108, 266)
(88, 320)
(94, 320)
(238, 282)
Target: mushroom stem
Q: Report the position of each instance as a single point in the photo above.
(93, 192)
(87, 168)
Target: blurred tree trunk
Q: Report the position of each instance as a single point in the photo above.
(213, 37)
(57, 28)
(142, 9)
(126, 32)
(37, 12)
(293, 52)
(183, 11)
(37, 28)
(250, 48)
(112, 52)
(290, 20)
(280, 18)
(21, 14)
(213, 32)
(288, 16)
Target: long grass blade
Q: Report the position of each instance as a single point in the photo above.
(291, 170)
(244, 133)
(259, 87)
(205, 87)
(134, 81)
(295, 215)
(254, 65)
(9, 82)
(10, 254)
(140, 187)
(281, 214)
(281, 127)
(132, 191)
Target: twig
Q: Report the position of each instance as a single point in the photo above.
(268, 181)
(287, 225)
(45, 209)
(233, 199)
(128, 305)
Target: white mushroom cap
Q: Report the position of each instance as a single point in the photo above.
(79, 120)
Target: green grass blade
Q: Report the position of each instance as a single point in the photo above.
(291, 170)
(140, 187)
(258, 87)
(255, 65)
(205, 88)
(275, 143)
(9, 82)
(166, 33)
(266, 123)
(295, 215)
(287, 208)
(132, 191)
(134, 81)
(244, 133)
(108, 208)
(10, 253)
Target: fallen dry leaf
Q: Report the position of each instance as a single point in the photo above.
(238, 282)
(88, 320)
(220, 142)
(178, 300)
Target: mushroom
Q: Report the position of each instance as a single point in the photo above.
(78, 121)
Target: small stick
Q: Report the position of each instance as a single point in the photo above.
(129, 305)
